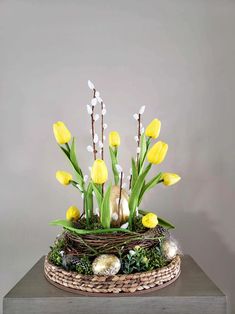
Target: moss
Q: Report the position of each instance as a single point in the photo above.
(55, 255)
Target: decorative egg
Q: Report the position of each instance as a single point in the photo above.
(106, 264)
(169, 249)
(124, 207)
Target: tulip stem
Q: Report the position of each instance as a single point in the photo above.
(67, 145)
(119, 200)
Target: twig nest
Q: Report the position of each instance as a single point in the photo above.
(106, 264)
(169, 249)
(124, 208)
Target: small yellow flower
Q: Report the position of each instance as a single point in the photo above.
(99, 172)
(72, 213)
(114, 139)
(157, 153)
(63, 177)
(150, 220)
(153, 129)
(170, 178)
(145, 260)
(62, 134)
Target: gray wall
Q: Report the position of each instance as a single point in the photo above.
(177, 57)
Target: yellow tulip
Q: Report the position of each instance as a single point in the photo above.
(170, 178)
(72, 213)
(157, 153)
(114, 139)
(153, 129)
(62, 134)
(99, 172)
(150, 220)
(63, 177)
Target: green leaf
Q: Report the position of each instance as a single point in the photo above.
(149, 185)
(143, 148)
(89, 201)
(105, 209)
(134, 197)
(77, 171)
(68, 225)
(134, 173)
(98, 195)
(73, 157)
(165, 223)
(113, 156)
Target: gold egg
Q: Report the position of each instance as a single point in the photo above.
(169, 249)
(106, 264)
(124, 207)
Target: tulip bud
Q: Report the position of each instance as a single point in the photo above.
(72, 213)
(170, 178)
(150, 220)
(153, 129)
(157, 153)
(114, 139)
(63, 177)
(99, 172)
(61, 133)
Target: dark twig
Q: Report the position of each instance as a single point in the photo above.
(93, 128)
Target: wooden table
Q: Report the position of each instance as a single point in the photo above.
(192, 293)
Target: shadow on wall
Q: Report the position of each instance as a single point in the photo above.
(208, 249)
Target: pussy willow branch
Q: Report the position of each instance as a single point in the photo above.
(93, 128)
(139, 135)
(102, 131)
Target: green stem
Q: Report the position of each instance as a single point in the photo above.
(67, 145)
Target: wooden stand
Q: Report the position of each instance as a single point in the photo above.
(192, 293)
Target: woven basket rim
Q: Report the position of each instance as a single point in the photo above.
(173, 261)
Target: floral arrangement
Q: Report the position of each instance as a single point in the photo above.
(111, 209)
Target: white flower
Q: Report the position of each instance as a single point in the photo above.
(89, 149)
(131, 252)
(136, 138)
(93, 102)
(104, 138)
(101, 145)
(125, 226)
(89, 168)
(142, 131)
(105, 126)
(100, 100)
(104, 105)
(89, 109)
(124, 186)
(97, 94)
(96, 211)
(137, 211)
(103, 112)
(138, 150)
(61, 253)
(115, 216)
(142, 109)
(90, 84)
(135, 116)
(118, 168)
(96, 117)
(85, 178)
(82, 195)
(96, 138)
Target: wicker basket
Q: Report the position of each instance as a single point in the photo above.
(121, 283)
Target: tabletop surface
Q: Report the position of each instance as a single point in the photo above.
(192, 282)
